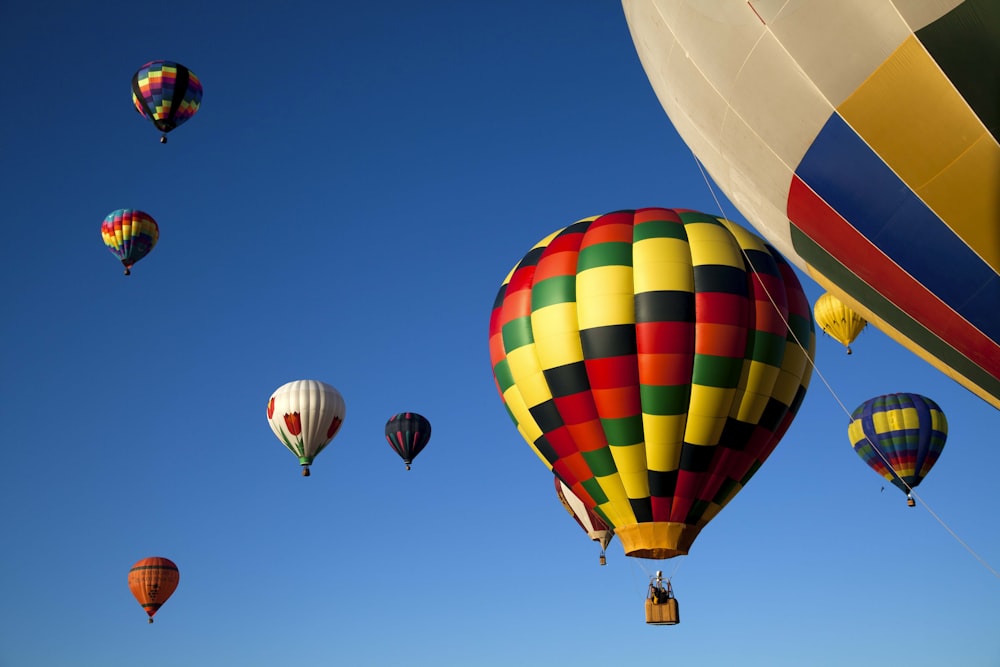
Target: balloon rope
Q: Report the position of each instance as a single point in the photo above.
(829, 388)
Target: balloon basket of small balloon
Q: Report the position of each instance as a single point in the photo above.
(662, 613)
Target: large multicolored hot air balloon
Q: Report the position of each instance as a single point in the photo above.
(408, 433)
(592, 524)
(305, 415)
(900, 436)
(837, 320)
(129, 234)
(652, 359)
(861, 140)
(152, 582)
(166, 93)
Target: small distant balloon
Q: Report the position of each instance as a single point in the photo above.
(408, 433)
(305, 415)
(130, 235)
(166, 93)
(152, 581)
(900, 436)
(596, 527)
(838, 320)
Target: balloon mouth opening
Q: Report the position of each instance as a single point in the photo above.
(657, 540)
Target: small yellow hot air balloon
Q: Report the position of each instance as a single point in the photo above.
(837, 320)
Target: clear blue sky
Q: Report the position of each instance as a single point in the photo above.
(358, 182)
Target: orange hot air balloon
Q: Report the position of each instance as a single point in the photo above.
(152, 582)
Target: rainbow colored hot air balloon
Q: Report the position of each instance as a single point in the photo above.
(130, 235)
(862, 140)
(305, 415)
(152, 582)
(652, 359)
(166, 93)
(900, 436)
(837, 320)
(408, 433)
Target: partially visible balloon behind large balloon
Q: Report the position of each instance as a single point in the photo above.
(861, 140)
(900, 436)
(152, 582)
(595, 527)
(130, 235)
(408, 433)
(166, 93)
(837, 320)
(305, 415)
(645, 357)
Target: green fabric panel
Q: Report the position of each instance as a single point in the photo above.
(714, 371)
(503, 375)
(600, 463)
(665, 400)
(593, 487)
(517, 333)
(623, 430)
(558, 289)
(769, 348)
(604, 254)
(965, 42)
(726, 491)
(658, 229)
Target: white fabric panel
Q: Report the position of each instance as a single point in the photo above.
(838, 44)
(918, 13)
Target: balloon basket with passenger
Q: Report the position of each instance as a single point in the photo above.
(661, 605)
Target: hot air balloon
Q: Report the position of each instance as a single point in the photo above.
(861, 140)
(130, 235)
(166, 93)
(900, 436)
(408, 433)
(592, 524)
(652, 361)
(152, 582)
(305, 415)
(837, 320)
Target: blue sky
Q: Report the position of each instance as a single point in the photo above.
(358, 182)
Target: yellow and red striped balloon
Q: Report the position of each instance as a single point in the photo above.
(652, 359)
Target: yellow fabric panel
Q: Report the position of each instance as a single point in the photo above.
(560, 344)
(630, 459)
(856, 431)
(594, 291)
(713, 244)
(912, 116)
(528, 376)
(617, 508)
(664, 436)
(704, 423)
(966, 197)
(662, 264)
(636, 483)
(760, 381)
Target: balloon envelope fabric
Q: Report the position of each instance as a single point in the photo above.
(152, 581)
(408, 433)
(900, 436)
(130, 235)
(641, 357)
(166, 93)
(837, 320)
(874, 171)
